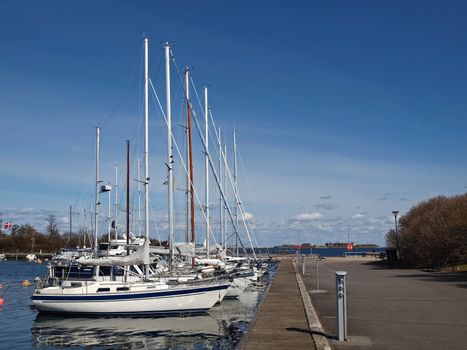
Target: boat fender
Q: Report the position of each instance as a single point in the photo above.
(37, 282)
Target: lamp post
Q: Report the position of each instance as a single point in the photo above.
(395, 213)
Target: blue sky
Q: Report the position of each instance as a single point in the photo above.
(345, 110)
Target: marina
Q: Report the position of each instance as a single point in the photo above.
(233, 175)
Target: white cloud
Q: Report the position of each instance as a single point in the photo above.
(358, 216)
(308, 216)
(248, 216)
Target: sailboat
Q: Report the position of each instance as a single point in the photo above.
(129, 293)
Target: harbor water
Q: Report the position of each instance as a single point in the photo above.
(23, 328)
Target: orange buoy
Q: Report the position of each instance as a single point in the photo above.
(25, 283)
(1, 301)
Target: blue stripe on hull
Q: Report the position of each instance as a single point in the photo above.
(126, 295)
(132, 313)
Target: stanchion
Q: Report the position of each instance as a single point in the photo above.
(317, 275)
(341, 299)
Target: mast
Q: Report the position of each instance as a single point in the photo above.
(71, 223)
(235, 186)
(116, 202)
(139, 196)
(206, 168)
(190, 190)
(127, 197)
(169, 148)
(223, 206)
(146, 150)
(221, 211)
(96, 197)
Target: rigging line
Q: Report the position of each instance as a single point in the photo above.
(242, 166)
(141, 116)
(155, 221)
(236, 193)
(212, 167)
(180, 155)
(110, 116)
(203, 142)
(84, 174)
(210, 159)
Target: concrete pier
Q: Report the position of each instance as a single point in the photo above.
(392, 308)
(281, 321)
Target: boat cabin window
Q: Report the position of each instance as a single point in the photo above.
(103, 246)
(122, 289)
(103, 290)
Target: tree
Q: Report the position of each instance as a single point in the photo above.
(52, 228)
(390, 238)
(434, 233)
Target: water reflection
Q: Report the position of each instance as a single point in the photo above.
(123, 332)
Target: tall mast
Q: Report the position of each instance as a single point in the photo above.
(71, 223)
(146, 150)
(221, 211)
(127, 197)
(169, 148)
(109, 227)
(190, 190)
(235, 186)
(139, 196)
(206, 167)
(223, 206)
(116, 202)
(96, 197)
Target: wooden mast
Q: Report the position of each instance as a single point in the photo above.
(190, 163)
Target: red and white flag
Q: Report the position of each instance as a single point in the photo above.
(7, 225)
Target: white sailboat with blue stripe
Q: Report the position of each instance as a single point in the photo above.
(115, 298)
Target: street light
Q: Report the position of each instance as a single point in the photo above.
(395, 213)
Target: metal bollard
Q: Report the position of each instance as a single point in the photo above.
(341, 299)
(303, 264)
(317, 275)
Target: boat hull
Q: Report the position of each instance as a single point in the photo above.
(177, 300)
(237, 287)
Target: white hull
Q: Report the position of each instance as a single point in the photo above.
(237, 287)
(141, 299)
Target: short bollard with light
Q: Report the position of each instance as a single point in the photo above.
(341, 300)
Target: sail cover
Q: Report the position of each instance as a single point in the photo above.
(139, 257)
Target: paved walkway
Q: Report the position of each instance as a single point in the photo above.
(392, 308)
(281, 321)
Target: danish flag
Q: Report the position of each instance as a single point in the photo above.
(7, 225)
